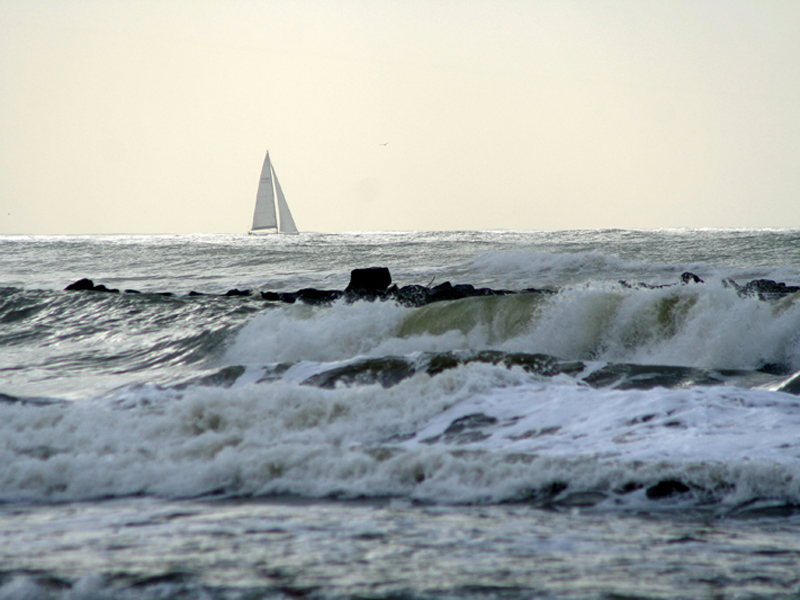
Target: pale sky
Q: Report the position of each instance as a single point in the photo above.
(129, 116)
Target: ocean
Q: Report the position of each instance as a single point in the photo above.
(625, 424)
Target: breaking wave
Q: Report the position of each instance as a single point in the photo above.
(695, 326)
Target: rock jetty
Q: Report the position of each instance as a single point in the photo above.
(375, 283)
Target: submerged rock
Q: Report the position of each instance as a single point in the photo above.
(391, 370)
(387, 371)
(666, 489)
(767, 289)
(686, 278)
(102, 288)
(467, 429)
(235, 292)
(764, 289)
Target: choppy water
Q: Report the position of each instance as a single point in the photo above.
(606, 440)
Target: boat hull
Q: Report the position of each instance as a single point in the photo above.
(270, 232)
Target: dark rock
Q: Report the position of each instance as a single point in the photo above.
(767, 289)
(443, 361)
(367, 295)
(463, 290)
(467, 429)
(225, 377)
(585, 499)
(791, 385)
(286, 297)
(375, 279)
(775, 369)
(470, 422)
(644, 286)
(88, 285)
(445, 291)
(540, 364)
(764, 509)
(628, 487)
(365, 284)
(27, 400)
(317, 297)
(688, 277)
(646, 377)
(765, 285)
(374, 283)
(386, 371)
(665, 489)
(8, 399)
(81, 284)
(102, 288)
(410, 295)
(491, 292)
(728, 283)
(544, 495)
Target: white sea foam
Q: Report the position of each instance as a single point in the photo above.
(699, 326)
(366, 440)
(300, 332)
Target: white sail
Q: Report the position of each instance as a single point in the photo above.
(287, 222)
(265, 217)
(264, 214)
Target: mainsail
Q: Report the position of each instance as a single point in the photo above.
(265, 217)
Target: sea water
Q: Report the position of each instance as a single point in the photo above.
(619, 432)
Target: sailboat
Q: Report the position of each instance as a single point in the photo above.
(265, 218)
